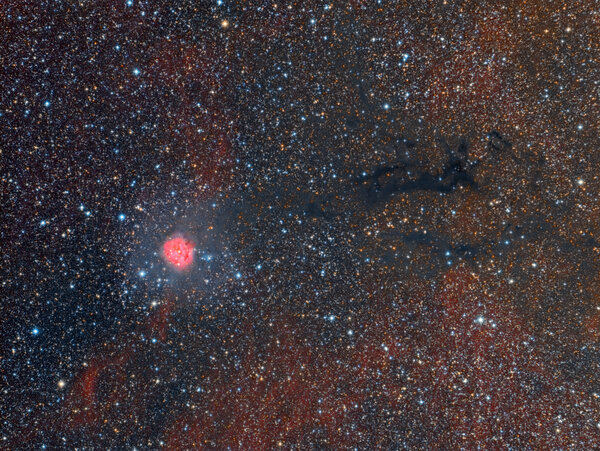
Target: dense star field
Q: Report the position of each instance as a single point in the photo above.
(257, 225)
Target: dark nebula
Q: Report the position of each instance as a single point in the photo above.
(256, 225)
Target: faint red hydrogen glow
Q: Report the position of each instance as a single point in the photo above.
(179, 252)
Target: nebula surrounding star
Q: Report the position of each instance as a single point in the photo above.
(179, 252)
(311, 225)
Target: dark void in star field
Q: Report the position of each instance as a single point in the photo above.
(312, 225)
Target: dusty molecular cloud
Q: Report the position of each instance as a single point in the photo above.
(310, 225)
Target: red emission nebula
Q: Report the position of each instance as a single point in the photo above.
(179, 252)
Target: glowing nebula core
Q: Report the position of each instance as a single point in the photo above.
(179, 252)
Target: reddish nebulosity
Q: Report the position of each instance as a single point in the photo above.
(158, 322)
(472, 377)
(115, 389)
(200, 123)
(198, 80)
(179, 252)
(86, 407)
(487, 380)
(472, 79)
(280, 396)
(466, 374)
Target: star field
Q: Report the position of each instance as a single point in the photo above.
(310, 225)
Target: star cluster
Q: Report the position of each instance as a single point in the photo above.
(299, 225)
